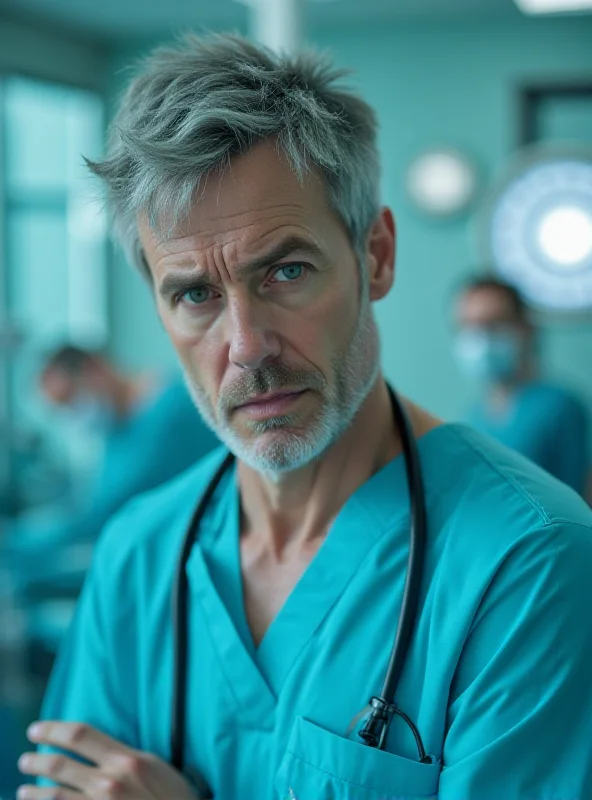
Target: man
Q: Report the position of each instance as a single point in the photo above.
(147, 424)
(496, 345)
(247, 186)
(147, 431)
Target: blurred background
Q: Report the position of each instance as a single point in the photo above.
(485, 110)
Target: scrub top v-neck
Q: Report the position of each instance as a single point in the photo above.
(315, 593)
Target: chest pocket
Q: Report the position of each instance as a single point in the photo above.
(318, 765)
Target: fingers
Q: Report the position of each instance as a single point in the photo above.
(30, 792)
(58, 768)
(78, 738)
(80, 780)
(113, 770)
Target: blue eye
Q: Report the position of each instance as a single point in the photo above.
(290, 272)
(196, 297)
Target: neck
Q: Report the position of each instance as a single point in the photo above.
(501, 393)
(300, 506)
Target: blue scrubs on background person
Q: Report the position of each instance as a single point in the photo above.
(547, 424)
(163, 436)
(505, 603)
(495, 348)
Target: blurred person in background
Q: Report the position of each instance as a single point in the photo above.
(145, 430)
(496, 345)
(148, 426)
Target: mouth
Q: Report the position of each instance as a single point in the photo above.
(271, 404)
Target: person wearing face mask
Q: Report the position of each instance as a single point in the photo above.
(142, 430)
(146, 426)
(496, 347)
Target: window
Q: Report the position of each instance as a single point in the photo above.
(52, 242)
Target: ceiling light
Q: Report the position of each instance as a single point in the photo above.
(565, 235)
(553, 6)
(539, 228)
(441, 182)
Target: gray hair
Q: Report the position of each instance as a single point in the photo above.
(194, 105)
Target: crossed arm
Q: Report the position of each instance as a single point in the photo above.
(115, 771)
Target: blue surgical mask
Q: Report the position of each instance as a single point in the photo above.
(91, 414)
(488, 356)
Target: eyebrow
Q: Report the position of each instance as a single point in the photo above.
(175, 282)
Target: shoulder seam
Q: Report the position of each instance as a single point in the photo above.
(507, 478)
(571, 522)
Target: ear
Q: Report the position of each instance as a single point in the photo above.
(380, 255)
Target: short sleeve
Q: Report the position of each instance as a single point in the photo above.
(520, 713)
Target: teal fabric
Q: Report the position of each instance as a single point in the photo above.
(548, 425)
(498, 674)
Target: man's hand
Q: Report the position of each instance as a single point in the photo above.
(117, 773)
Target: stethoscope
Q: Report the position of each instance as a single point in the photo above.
(381, 708)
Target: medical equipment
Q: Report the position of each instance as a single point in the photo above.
(382, 707)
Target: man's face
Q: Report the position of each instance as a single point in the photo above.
(58, 387)
(259, 292)
(492, 339)
(487, 307)
(80, 400)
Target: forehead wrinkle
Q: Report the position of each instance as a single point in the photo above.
(209, 216)
(200, 217)
(197, 257)
(219, 262)
(227, 261)
(187, 248)
(215, 267)
(211, 233)
(196, 249)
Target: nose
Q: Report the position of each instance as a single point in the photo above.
(252, 343)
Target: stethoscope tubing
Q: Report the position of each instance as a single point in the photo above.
(407, 615)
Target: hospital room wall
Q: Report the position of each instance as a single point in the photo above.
(432, 83)
(39, 52)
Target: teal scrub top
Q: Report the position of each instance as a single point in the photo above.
(548, 425)
(497, 678)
